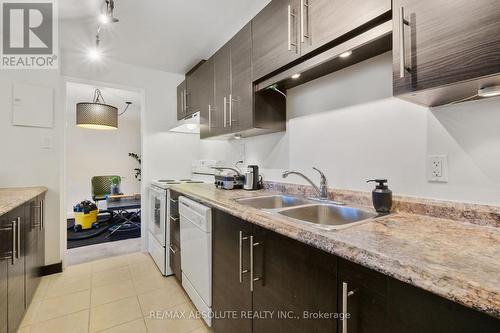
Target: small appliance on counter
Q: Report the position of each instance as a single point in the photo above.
(229, 181)
(381, 196)
(252, 178)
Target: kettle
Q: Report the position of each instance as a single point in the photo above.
(252, 178)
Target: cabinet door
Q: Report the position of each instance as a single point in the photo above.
(31, 226)
(229, 292)
(413, 310)
(193, 92)
(275, 37)
(16, 272)
(222, 74)
(5, 248)
(363, 295)
(241, 99)
(208, 120)
(174, 245)
(444, 42)
(294, 279)
(323, 21)
(181, 100)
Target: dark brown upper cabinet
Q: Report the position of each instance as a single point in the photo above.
(444, 51)
(209, 123)
(189, 93)
(233, 110)
(181, 100)
(275, 36)
(236, 109)
(323, 21)
(286, 30)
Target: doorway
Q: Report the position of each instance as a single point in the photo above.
(102, 172)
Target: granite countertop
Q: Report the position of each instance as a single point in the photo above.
(11, 198)
(456, 260)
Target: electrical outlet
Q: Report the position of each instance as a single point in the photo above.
(437, 168)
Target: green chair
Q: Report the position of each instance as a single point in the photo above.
(101, 187)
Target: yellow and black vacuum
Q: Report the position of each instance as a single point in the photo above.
(85, 216)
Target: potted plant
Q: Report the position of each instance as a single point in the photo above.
(115, 185)
(136, 157)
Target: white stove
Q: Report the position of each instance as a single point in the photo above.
(159, 211)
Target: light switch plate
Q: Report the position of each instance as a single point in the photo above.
(437, 168)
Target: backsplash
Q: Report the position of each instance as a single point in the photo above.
(477, 214)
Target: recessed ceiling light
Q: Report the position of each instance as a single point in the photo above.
(104, 19)
(489, 91)
(295, 76)
(94, 54)
(345, 54)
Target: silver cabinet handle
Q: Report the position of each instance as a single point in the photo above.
(241, 270)
(42, 212)
(304, 7)
(175, 219)
(402, 48)
(171, 247)
(185, 101)
(252, 278)
(182, 101)
(14, 240)
(230, 110)
(18, 252)
(291, 16)
(345, 309)
(225, 102)
(209, 118)
(174, 201)
(11, 254)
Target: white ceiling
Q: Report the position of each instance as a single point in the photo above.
(169, 35)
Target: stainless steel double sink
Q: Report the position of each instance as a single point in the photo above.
(325, 215)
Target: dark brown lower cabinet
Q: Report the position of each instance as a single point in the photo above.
(229, 293)
(363, 296)
(21, 256)
(16, 270)
(413, 310)
(175, 236)
(292, 282)
(296, 284)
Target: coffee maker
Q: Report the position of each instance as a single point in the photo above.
(252, 178)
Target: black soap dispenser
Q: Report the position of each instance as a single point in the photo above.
(381, 196)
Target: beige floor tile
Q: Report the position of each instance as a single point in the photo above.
(41, 289)
(136, 326)
(153, 281)
(25, 329)
(108, 263)
(63, 305)
(144, 268)
(113, 275)
(73, 323)
(162, 300)
(203, 329)
(115, 313)
(29, 316)
(177, 325)
(137, 257)
(112, 292)
(60, 287)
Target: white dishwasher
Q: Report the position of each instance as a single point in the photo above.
(196, 254)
